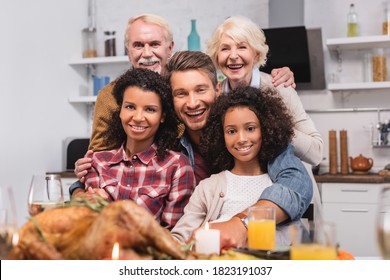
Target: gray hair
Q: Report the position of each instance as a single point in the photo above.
(150, 18)
(240, 29)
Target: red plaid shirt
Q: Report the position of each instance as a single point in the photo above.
(162, 187)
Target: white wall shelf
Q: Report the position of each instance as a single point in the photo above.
(82, 99)
(358, 43)
(358, 86)
(99, 60)
(91, 64)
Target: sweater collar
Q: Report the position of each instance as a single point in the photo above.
(255, 81)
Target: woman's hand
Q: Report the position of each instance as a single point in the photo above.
(82, 165)
(90, 194)
(283, 76)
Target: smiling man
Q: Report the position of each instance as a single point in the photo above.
(149, 42)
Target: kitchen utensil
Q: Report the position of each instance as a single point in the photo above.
(332, 152)
(361, 164)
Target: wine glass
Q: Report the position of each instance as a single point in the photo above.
(45, 193)
(8, 226)
(383, 223)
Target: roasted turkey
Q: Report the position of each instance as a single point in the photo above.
(85, 232)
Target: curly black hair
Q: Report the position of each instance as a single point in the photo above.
(277, 127)
(147, 80)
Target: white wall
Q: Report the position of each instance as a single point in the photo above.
(284, 13)
(331, 16)
(38, 39)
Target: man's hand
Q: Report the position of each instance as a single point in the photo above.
(283, 76)
(82, 165)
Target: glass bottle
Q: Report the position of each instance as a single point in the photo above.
(352, 20)
(109, 43)
(385, 22)
(193, 38)
(367, 67)
(89, 33)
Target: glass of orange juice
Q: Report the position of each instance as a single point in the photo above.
(261, 228)
(318, 244)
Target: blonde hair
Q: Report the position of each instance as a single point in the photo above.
(150, 18)
(240, 29)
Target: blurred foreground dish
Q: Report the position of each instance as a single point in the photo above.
(90, 230)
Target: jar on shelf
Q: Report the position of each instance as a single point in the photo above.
(379, 66)
(89, 33)
(109, 43)
(367, 67)
(89, 42)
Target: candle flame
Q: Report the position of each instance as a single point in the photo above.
(15, 239)
(115, 251)
(206, 226)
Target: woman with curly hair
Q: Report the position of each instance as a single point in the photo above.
(143, 168)
(255, 127)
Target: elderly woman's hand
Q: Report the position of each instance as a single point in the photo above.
(283, 76)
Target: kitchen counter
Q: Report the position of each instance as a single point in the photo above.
(64, 174)
(352, 178)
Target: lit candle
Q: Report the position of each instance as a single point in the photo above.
(115, 253)
(207, 240)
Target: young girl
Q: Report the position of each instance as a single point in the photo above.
(143, 168)
(255, 127)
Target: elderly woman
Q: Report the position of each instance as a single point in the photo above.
(238, 48)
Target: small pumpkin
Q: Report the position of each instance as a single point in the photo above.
(344, 255)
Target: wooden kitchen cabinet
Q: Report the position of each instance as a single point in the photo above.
(352, 207)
